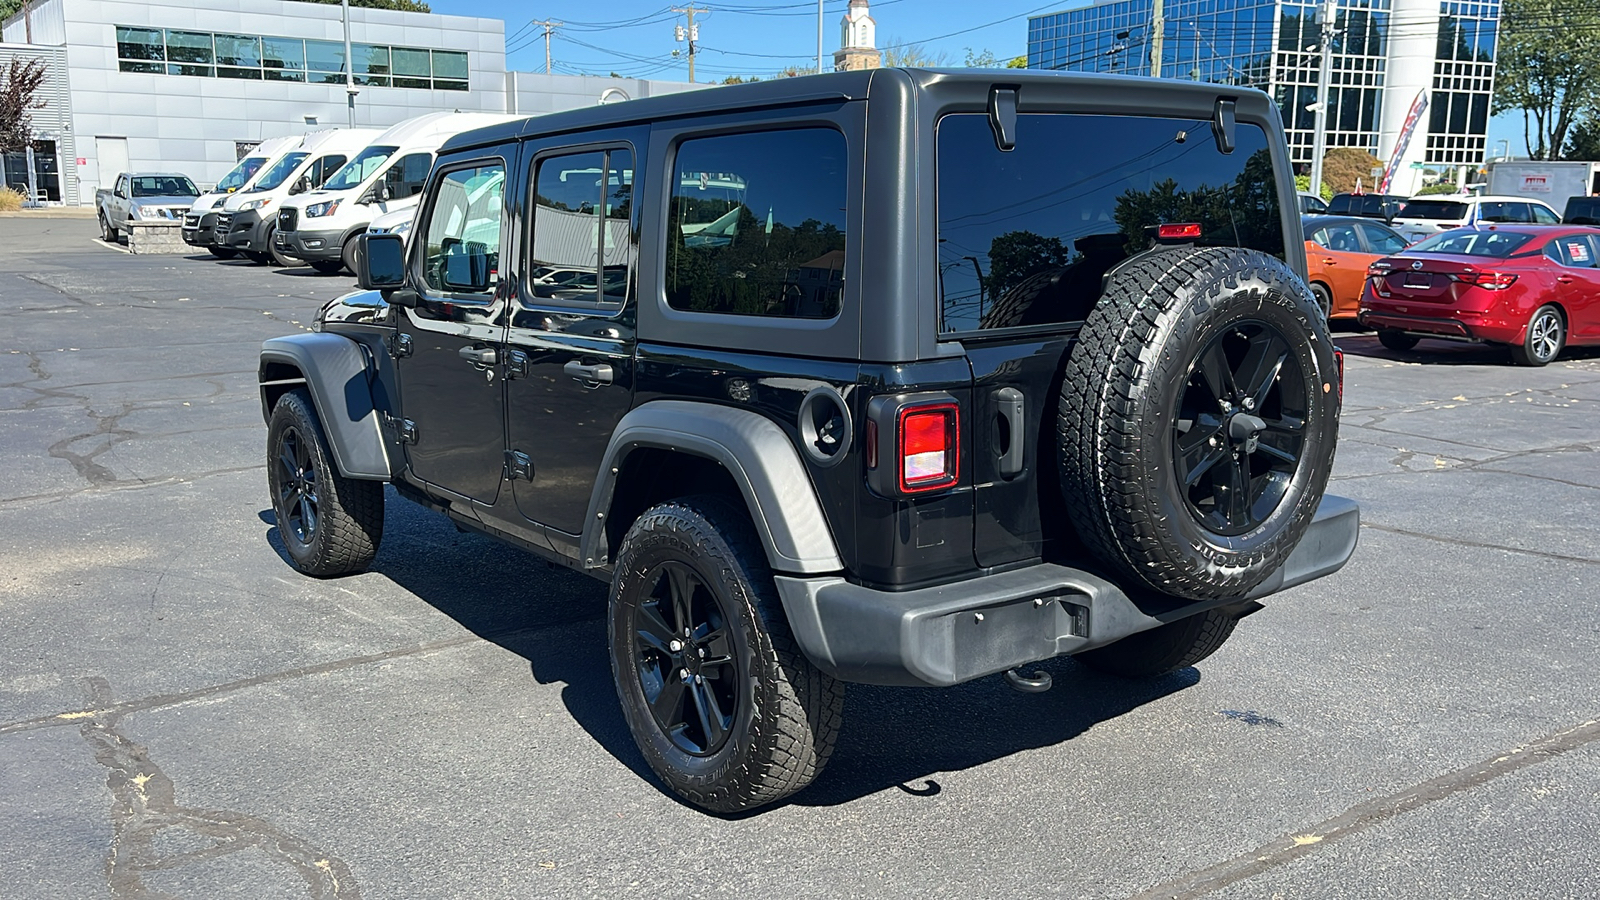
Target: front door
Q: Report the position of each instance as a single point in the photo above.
(571, 337)
(448, 347)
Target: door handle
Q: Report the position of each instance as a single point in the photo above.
(1330, 261)
(478, 356)
(592, 376)
(1564, 279)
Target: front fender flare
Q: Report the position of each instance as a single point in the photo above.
(338, 377)
(754, 450)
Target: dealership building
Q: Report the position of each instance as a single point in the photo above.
(1389, 57)
(190, 85)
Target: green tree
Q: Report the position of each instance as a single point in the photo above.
(401, 5)
(1584, 140)
(1017, 62)
(1549, 68)
(19, 97)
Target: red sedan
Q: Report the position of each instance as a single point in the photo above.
(1534, 288)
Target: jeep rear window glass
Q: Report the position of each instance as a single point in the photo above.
(757, 224)
(582, 248)
(1025, 236)
(1434, 209)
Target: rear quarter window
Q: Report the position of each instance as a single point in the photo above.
(1026, 235)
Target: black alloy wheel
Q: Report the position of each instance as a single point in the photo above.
(1239, 429)
(297, 486)
(685, 659)
(1324, 299)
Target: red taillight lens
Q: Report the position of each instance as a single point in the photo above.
(1494, 281)
(1378, 270)
(1182, 231)
(929, 450)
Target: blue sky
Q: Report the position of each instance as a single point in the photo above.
(761, 37)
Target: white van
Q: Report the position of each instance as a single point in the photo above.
(199, 222)
(248, 218)
(321, 227)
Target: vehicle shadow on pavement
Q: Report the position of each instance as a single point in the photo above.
(892, 738)
(1447, 353)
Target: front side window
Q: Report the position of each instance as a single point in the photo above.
(757, 224)
(322, 169)
(280, 171)
(359, 169)
(406, 177)
(582, 248)
(1026, 235)
(462, 251)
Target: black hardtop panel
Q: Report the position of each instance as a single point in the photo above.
(1085, 92)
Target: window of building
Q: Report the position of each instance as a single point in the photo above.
(464, 228)
(1025, 236)
(583, 249)
(251, 57)
(757, 224)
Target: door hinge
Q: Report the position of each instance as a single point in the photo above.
(519, 465)
(517, 364)
(400, 345)
(405, 430)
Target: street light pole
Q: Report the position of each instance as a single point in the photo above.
(1319, 133)
(350, 88)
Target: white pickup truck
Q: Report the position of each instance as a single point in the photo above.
(143, 195)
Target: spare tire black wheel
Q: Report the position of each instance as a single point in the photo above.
(1198, 418)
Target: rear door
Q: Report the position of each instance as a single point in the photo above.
(1338, 258)
(1577, 283)
(1026, 236)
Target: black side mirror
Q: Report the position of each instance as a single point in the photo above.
(1390, 209)
(380, 262)
(466, 266)
(381, 192)
(301, 185)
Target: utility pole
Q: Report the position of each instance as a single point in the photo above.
(549, 28)
(350, 88)
(692, 32)
(1158, 30)
(1319, 133)
(819, 36)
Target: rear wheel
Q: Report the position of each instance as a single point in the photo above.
(1324, 299)
(222, 252)
(722, 703)
(1397, 341)
(331, 525)
(1546, 335)
(107, 232)
(1170, 647)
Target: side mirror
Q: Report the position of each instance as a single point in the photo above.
(1390, 210)
(380, 262)
(465, 266)
(381, 191)
(301, 185)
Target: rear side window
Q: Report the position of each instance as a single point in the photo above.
(1026, 235)
(1506, 211)
(1382, 239)
(1341, 237)
(1574, 250)
(582, 248)
(1443, 210)
(757, 224)
(1542, 216)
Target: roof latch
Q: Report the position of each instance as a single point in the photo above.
(1222, 124)
(1003, 116)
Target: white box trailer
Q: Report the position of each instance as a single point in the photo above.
(1552, 182)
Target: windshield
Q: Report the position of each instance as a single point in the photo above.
(1495, 244)
(164, 186)
(280, 171)
(1434, 209)
(241, 173)
(359, 169)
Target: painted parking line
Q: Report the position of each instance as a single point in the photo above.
(117, 247)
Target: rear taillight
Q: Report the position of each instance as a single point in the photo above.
(1182, 231)
(929, 447)
(1493, 281)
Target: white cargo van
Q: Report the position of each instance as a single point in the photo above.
(321, 227)
(201, 219)
(247, 219)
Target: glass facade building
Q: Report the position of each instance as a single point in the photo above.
(1273, 45)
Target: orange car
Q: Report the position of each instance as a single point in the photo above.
(1338, 251)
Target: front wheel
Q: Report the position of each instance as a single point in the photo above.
(331, 525)
(1170, 647)
(1397, 341)
(350, 254)
(723, 705)
(283, 260)
(1546, 335)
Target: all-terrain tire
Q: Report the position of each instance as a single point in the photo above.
(222, 252)
(331, 525)
(1544, 340)
(785, 712)
(1170, 647)
(1398, 341)
(1126, 400)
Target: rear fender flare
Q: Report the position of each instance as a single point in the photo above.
(338, 377)
(762, 461)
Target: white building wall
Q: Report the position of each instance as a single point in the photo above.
(53, 121)
(535, 93)
(40, 23)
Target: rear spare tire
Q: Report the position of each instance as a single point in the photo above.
(1198, 417)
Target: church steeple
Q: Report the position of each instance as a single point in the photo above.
(858, 36)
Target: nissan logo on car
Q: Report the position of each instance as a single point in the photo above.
(1417, 264)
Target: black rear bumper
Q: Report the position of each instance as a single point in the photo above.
(952, 633)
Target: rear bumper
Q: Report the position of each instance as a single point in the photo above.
(1460, 324)
(945, 635)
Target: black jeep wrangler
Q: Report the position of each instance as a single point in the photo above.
(896, 377)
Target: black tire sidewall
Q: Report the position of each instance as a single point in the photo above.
(1324, 298)
(294, 410)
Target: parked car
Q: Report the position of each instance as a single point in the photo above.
(1367, 206)
(1311, 204)
(143, 195)
(893, 428)
(248, 219)
(1338, 251)
(199, 223)
(1582, 211)
(397, 222)
(321, 227)
(1533, 288)
(1427, 216)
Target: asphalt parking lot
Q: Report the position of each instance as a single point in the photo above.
(182, 715)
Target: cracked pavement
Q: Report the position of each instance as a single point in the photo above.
(181, 715)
